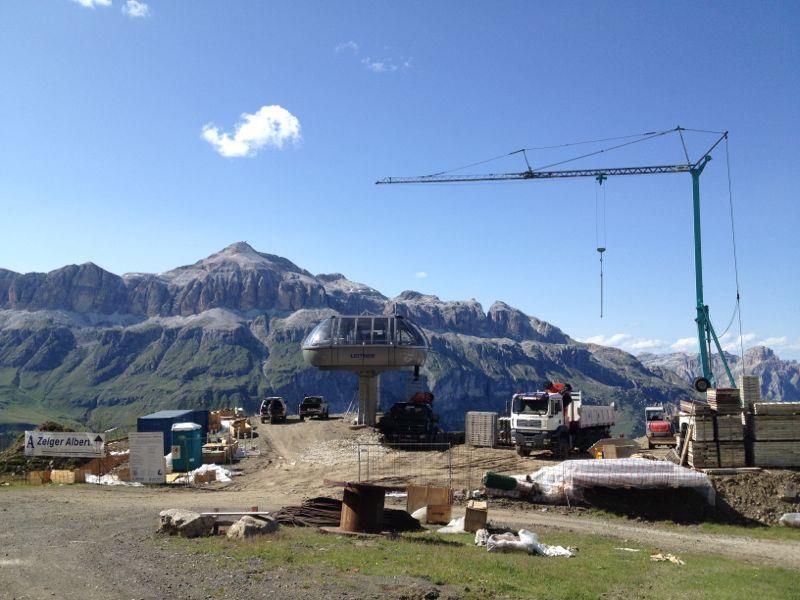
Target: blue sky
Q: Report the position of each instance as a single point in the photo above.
(120, 147)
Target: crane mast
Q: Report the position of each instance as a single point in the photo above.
(705, 330)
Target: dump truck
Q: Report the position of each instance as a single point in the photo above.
(659, 428)
(556, 419)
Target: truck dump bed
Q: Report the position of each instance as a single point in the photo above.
(594, 416)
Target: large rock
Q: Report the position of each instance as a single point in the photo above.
(186, 523)
(249, 526)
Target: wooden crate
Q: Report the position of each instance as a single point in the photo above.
(424, 495)
(475, 516)
(776, 454)
(439, 514)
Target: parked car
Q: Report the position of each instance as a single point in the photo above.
(313, 406)
(273, 409)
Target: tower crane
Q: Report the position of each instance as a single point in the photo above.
(705, 330)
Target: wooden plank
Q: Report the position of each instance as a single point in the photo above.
(776, 454)
(776, 408)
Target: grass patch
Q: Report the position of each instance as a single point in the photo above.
(763, 532)
(597, 570)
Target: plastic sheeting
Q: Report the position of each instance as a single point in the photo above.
(561, 482)
(222, 475)
(790, 520)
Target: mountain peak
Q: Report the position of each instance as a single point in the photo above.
(239, 248)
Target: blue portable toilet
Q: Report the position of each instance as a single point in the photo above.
(187, 446)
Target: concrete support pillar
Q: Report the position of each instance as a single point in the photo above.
(368, 397)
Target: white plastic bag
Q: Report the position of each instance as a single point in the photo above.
(526, 542)
(421, 514)
(454, 526)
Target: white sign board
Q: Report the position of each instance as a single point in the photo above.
(79, 444)
(146, 459)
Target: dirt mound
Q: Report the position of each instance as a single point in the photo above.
(681, 505)
(761, 496)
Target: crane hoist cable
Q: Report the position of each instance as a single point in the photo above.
(600, 227)
(735, 253)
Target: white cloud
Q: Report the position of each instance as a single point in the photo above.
(686, 344)
(348, 45)
(135, 9)
(421, 274)
(269, 126)
(627, 342)
(93, 3)
(729, 342)
(385, 65)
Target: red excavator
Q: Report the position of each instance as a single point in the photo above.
(658, 427)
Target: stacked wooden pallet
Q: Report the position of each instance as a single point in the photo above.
(695, 408)
(724, 401)
(481, 429)
(716, 434)
(707, 455)
(750, 390)
(722, 428)
(776, 434)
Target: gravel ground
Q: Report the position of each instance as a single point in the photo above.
(98, 542)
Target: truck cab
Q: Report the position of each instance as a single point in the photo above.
(538, 420)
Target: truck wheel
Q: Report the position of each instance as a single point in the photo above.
(302, 417)
(523, 451)
(650, 445)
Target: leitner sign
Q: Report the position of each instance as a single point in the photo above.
(62, 443)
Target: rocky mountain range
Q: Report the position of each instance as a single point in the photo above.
(780, 379)
(85, 346)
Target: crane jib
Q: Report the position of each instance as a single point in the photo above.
(525, 175)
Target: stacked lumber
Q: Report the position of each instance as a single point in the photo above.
(716, 436)
(724, 401)
(481, 429)
(776, 434)
(776, 454)
(707, 455)
(722, 428)
(696, 408)
(750, 390)
(782, 409)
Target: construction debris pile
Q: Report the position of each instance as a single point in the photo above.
(327, 512)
